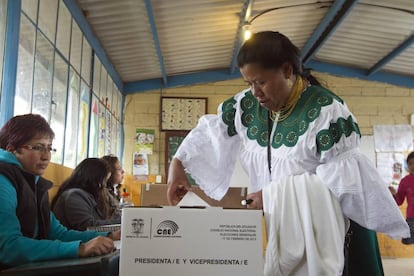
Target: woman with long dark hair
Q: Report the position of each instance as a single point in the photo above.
(82, 200)
(114, 183)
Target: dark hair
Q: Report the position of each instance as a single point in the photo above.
(20, 129)
(410, 156)
(111, 160)
(89, 175)
(271, 50)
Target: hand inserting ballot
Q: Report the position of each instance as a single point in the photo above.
(253, 201)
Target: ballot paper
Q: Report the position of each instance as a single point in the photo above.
(117, 244)
(191, 199)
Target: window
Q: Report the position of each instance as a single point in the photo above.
(54, 80)
(3, 12)
(83, 125)
(43, 75)
(58, 106)
(71, 133)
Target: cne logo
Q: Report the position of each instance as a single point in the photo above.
(167, 228)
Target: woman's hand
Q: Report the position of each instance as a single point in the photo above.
(392, 190)
(115, 235)
(177, 182)
(96, 247)
(257, 202)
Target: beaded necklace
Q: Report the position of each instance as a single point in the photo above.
(298, 88)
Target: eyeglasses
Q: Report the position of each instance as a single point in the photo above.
(39, 148)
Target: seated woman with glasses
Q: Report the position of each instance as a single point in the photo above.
(82, 200)
(29, 231)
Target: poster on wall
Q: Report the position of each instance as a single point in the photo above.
(180, 113)
(144, 140)
(140, 164)
(391, 167)
(393, 138)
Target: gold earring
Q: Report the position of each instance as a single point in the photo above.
(289, 83)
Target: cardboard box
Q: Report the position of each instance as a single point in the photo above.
(178, 241)
(156, 195)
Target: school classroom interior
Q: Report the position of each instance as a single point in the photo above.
(92, 115)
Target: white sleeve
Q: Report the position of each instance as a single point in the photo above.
(209, 155)
(363, 195)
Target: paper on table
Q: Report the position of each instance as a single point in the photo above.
(117, 244)
(191, 199)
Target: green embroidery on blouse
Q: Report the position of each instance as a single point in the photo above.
(228, 116)
(255, 118)
(326, 138)
(307, 109)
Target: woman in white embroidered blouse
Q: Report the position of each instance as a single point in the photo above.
(299, 144)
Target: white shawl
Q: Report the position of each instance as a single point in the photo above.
(305, 227)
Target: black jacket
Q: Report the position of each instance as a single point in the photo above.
(32, 200)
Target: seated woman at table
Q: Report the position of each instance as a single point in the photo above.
(29, 231)
(114, 184)
(82, 200)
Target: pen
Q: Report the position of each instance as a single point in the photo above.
(245, 202)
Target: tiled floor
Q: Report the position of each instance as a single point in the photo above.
(398, 266)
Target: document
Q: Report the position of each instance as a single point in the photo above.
(191, 199)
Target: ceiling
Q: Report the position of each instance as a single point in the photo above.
(153, 44)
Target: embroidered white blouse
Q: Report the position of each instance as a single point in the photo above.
(317, 143)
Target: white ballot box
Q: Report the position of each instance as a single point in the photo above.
(179, 241)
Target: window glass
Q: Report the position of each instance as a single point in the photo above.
(118, 138)
(104, 79)
(119, 114)
(76, 47)
(102, 130)
(109, 92)
(86, 61)
(42, 86)
(113, 136)
(58, 112)
(24, 78)
(71, 135)
(47, 18)
(108, 131)
(53, 79)
(83, 122)
(116, 103)
(30, 9)
(96, 75)
(94, 128)
(3, 13)
(63, 30)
